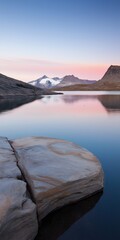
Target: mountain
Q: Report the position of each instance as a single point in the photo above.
(12, 87)
(70, 80)
(46, 82)
(109, 82)
(112, 76)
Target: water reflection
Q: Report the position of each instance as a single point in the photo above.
(110, 102)
(59, 221)
(9, 104)
(74, 98)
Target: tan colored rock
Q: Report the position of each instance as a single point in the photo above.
(57, 172)
(18, 220)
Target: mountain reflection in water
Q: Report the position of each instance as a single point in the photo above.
(11, 103)
(110, 102)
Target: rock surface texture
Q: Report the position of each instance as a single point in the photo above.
(57, 172)
(39, 175)
(18, 218)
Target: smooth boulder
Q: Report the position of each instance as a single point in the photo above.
(57, 172)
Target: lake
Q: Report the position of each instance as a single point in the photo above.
(92, 120)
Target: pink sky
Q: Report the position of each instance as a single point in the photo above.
(27, 70)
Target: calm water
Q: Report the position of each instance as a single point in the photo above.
(92, 120)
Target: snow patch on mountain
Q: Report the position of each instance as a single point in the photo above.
(46, 82)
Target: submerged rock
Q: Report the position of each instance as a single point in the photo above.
(57, 172)
(18, 218)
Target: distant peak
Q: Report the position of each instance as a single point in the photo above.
(44, 77)
(114, 67)
(112, 75)
(69, 76)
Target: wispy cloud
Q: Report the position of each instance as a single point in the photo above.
(28, 69)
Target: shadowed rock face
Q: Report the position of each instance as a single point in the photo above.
(13, 87)
(56, 223)
(18, 218)
(57, 172)
(112, 75)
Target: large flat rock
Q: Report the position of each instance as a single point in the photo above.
(18, 218)
(57, 172)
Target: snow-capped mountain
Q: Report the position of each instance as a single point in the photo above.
(46, 82)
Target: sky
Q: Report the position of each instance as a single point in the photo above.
(59, 37)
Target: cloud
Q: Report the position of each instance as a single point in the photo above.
(28, 69)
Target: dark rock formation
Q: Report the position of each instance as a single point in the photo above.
(112, 75)
(56, 223)
(11, 87)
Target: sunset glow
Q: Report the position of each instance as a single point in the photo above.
(58, 38)
(26, 70)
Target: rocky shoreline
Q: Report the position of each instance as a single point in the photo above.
(15, 89)
(39, 175)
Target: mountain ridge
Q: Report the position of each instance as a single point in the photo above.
(109, 82)
(46, 82)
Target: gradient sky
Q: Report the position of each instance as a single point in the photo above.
(55, 38)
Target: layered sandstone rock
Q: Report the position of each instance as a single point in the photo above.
(57, 172)
(50, 172)
(18, 218)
